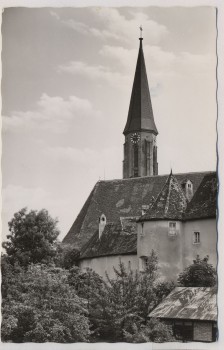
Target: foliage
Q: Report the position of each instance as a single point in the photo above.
(46, 298)
(162, 289)
(32, 237)
(153, 331)
(85, 282)
(9, 273)
(151, 290)
(66, 256)
(88, 285)
(39, 305)
(198, 274)
(118, 303)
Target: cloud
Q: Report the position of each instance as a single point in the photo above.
(16, 197)
(158, 59)
(51, 113)
(93, 161)
(111, 24)
(85, 156)
(94, 73)
(161, 65)
(31, 197)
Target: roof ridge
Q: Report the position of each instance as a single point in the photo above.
(154, 203)
(160, 175)
(168, 195)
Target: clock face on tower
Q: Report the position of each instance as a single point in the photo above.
(135, 137)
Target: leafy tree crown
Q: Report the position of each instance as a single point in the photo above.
(32, 237)
(198, 274)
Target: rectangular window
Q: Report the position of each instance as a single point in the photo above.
(172, 228)
(144, 262)
(142, 232)
(196, 237)
(183, 330)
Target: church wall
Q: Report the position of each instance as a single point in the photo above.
(207, 244)
(175, 252)
(156, 235)
(106, 263)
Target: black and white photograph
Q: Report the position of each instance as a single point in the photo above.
(109, 175)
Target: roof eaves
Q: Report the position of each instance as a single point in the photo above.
(131, 252)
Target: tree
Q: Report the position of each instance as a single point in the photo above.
(32, 237)
(126, 299)
(198, 274)
(41, 306)
(118, 304)
(66, 256)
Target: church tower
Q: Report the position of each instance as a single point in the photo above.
(140, 150)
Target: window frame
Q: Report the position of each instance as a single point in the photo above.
(172, 228)
(144, 261)
(196, 237)
(142, 232)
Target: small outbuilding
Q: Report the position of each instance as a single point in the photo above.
(192, 311)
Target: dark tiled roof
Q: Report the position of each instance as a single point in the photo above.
(204, 202)
(170, 203)
(194, 303)
(140, 115)
(116, 239)
(119, 198)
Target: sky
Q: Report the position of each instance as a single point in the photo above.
(67, 76)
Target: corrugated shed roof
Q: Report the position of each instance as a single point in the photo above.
(171, 202)
(204, 202)
(194, 303)
(116, 239)
(140, 114)
(120, 198)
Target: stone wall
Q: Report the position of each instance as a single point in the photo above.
(202, 331)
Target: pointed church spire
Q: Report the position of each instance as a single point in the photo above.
(140, 115)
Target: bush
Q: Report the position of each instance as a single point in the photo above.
(198, 274)
(153, 331)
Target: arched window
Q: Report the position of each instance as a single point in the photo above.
(135, 160)
(154, 160)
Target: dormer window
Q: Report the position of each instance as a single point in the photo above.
(187, 187)
(172, 230)
(102, 224)
(144, 209)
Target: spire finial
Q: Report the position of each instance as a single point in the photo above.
(141, 38)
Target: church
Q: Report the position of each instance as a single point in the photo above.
(125, 219)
